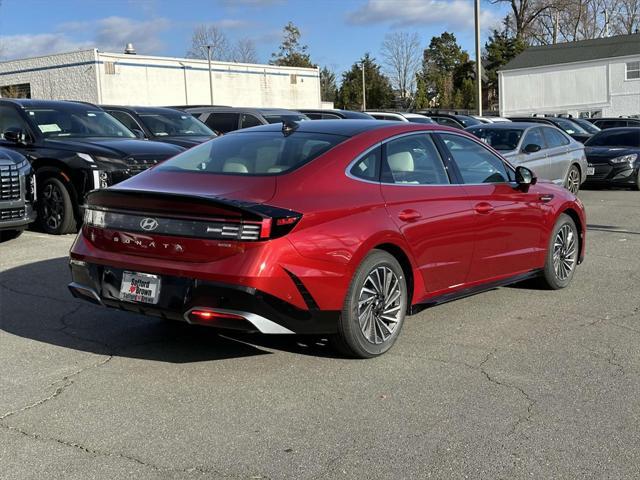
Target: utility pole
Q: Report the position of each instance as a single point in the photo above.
(478, 59)
(210, 77)
(364, 94)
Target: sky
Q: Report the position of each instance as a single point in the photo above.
(338, 32)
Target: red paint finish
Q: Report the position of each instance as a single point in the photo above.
(450, 237)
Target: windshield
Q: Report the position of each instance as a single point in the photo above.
(279, 118)
(175, 125)
(253, 153)
(587, 125)
(468, 121)
(76, 122)
(569, 126)
(501, 139)
(616, 138)
(419, 120)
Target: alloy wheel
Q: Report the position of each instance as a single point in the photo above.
(52, 206)
(573, 180)
(564, 252)
(379, 305)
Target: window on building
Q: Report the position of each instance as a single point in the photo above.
(633, 70)
(109, 68)
(19, 90)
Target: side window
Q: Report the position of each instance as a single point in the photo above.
(555, 138)
(534, 136)
(447, 122)
(368, 167)
(314, 115)
(126, 119)
(330, 116)
(415, 160)
(9, 118)
(476, 163)
(223, 122)
(248, 120)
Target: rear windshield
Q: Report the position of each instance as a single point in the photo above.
(281, 117)
(175, 124)
(501, 139)
(253, 153)
(569, 126)
(620, 138)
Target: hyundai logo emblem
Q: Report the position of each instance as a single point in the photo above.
(148, 224)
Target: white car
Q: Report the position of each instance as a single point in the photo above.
(401, 117)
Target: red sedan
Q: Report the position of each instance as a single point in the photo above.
(339, 227)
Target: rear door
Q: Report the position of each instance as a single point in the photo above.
(538, 161)
(433, 214)
(508, 221)
(559, 154)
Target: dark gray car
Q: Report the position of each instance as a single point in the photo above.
(227, 119)
(545, 149)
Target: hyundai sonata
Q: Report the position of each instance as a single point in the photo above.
(340, 228)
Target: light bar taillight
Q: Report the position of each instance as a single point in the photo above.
(205, 315)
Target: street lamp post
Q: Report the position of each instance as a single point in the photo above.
(364, 94)
(210, 77)
(478, 59)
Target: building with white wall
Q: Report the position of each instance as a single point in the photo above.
(598, 77)
(126, 79)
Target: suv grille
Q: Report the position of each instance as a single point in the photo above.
(9, 182)
(12, 213)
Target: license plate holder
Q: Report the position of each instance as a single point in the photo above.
(139, 287)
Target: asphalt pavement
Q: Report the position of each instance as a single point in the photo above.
(513, 383)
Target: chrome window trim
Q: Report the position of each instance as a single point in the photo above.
(387, 140)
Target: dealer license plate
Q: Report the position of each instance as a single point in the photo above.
(140, 288)
(591, 170)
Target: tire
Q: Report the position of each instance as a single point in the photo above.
(377, 332)
(637, 185)
(55, 209)
(7, 235)
(572, 182)
(564, 247)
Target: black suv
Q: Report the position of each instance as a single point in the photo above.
(226, 119)
(162, 124)
(17, 194)
(74, 148)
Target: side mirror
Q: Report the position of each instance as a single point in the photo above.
(139, 133)
(531, 148)
(14, 135)
(525, 178)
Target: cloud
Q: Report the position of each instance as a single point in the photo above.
(457, 14)
(231, 24)
(107, 34)
(113, 33)
(24, 46)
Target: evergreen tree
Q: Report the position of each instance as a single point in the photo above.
(291, 52)
(500, 50)
(379, 93)
(328, 87)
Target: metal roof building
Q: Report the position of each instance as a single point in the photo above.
(129, 79)
(599, 77)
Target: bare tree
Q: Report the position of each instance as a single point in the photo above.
(245, 51)
(525, 13)
(402, 59)
(627, 17)
(204, 35)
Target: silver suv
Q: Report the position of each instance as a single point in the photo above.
(17, 194)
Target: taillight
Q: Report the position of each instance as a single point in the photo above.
(203, 315)
(280, 226)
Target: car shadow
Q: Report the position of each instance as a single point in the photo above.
(35, 304)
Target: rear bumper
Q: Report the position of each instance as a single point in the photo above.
(246, 308)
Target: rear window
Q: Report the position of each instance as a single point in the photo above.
(253, 153)
(501, 139)
(289, 117)
(624, 138)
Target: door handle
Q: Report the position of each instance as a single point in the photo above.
(409, 215)
(546, 198)
(484, 207)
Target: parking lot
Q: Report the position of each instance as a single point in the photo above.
(517, 382)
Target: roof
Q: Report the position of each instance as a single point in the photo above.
(582, 51)
(262, 111)
(33, 103)
(337, 111)
(504, 126)
(143, 110)
(346, 128)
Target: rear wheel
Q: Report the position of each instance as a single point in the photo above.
(562, 254)
(55, 208)
(374, 308)
(572, 182)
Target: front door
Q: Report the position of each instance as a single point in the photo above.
(508, 221)
(433, 214)
(537, 162)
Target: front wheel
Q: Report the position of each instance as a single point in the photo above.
(572, 182)
(562, 254)
(55, 208)
(374, 308)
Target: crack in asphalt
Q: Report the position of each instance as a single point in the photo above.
(611, 358)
